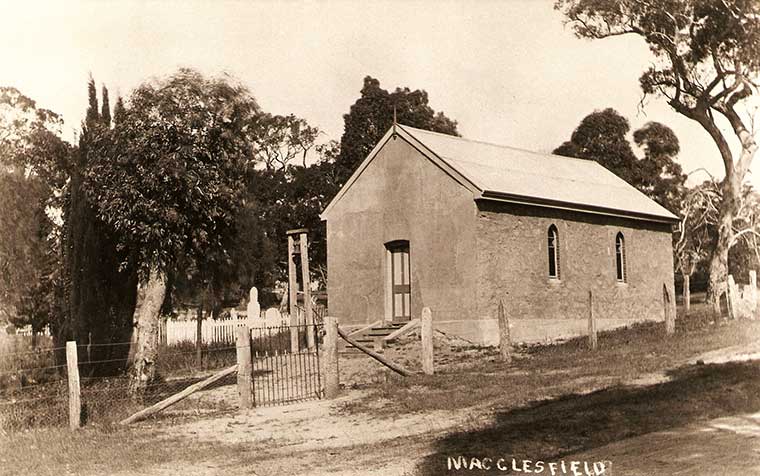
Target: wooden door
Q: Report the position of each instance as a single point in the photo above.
(401, 290)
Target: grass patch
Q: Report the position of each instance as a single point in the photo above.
(546, 371)
(104, 449)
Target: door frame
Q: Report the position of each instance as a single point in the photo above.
(390, 247)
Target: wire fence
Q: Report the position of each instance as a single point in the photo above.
(34, 387)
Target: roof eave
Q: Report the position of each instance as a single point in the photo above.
(557, 204)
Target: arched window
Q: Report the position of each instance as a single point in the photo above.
(553, 247)
(620, 268)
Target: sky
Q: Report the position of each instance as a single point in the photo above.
(509, 71)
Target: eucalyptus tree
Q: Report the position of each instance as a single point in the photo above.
(706, 66)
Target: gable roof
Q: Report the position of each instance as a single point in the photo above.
(496, 172)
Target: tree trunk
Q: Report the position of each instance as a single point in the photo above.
(719, 261)
(144, 367)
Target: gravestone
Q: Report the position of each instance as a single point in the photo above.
(272, 317)
(743, 302)
(254, 308)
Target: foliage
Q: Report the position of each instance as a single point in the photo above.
(168, 178)
(33, 164)
(706, 66)
(699, 230)
(280, 139)
(372, 115)
(99, 295)
(283, 195)
(661, 176)
(602, 136)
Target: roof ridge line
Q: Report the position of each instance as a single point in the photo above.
(494, 144)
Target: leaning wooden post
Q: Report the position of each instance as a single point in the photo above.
(592, 338)
(75, 401)
(303, 241)
(292, 294)
(505, 339)
(244, 367)
(330, 359)
(670, 322)
(426, 332)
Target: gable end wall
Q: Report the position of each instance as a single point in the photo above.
(402, 195)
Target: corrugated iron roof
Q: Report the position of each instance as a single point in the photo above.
(502, 172)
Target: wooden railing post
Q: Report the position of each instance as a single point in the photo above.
(505, 339)
(592, 338)
(426, 332)
(244, 367)
(670, 322)
(75, 401)
(330, 359)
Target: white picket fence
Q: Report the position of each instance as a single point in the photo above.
(27, 331)
(219, 331)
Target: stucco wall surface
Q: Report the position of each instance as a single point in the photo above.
(402, 196)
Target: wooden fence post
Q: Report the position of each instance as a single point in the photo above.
(292, 295)
(426, 332)
(753, 292)
(686, 294)
(199, 338)
(75, 401)
(592, 338)
(244, 367)
(162, 329)
(670, 323)
(303, 242)
(330, 359)
(731, 297)
(505, 339)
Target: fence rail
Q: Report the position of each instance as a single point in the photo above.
(222, 331)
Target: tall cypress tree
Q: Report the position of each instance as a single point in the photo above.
(101, 297)
(92, 115)
(119, 111)
(105, 114)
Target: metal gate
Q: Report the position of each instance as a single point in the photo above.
(285, 364)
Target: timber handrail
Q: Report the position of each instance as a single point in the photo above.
(403, 330)
(364, 328)
(391, 365)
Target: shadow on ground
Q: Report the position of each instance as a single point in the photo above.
(550, 430)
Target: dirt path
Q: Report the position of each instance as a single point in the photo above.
(318, 437)
(724, 446)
